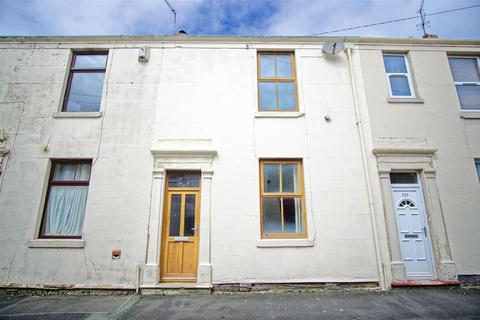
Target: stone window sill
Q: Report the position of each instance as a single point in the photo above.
(77, 114)
(284, 243)
(56, 243)
(405, 100)
(470, 114)
(279, 114)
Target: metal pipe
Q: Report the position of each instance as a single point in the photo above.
(371, 206)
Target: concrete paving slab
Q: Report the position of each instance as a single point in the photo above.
(397, 304)
(68, 307)
(6, 301)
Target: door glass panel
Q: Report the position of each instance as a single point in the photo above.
(289, 177)
(272, 215)
(403, 177)
(184, 180)
(292, 215)
(189, 225)
(175, 207)
(271, 179)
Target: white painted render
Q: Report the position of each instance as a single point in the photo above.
(194, 105)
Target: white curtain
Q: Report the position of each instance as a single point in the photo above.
(65, 211)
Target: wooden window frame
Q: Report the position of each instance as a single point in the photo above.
(52, 182)
(300, 194)
(408, 75)
(466, 83)
(292, 79)
(74, 70)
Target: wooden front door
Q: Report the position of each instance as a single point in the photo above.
(180, 228)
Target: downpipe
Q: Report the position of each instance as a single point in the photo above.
(361, 137)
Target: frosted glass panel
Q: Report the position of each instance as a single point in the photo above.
(289, 178)
(267, 66)
(183, 180)
(64, 172)
(399, 85)
(284, 66)
(189, 224)
(464, 69)
(469, 96)
(271, 177)
(268, 97)
(286, 96)
(272, 215)
(175, 206)
(395, 64)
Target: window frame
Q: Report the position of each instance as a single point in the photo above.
(276, 80)
(300, 194)
(51, 182)
(476, 162)
(408, 75)
(72, 70)
(465, 83)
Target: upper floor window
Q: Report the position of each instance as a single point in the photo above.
(66, 199)
(399, 77)
(282, 199)
(466, 74)
(477, 165)
(85, 82)
(277, 90)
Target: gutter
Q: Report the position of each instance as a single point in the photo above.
(368, 183)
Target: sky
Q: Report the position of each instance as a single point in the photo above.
(236, 17)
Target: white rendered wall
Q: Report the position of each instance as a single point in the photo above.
(193, 93)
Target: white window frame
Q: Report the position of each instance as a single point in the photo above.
(408, 75)
(468, 83)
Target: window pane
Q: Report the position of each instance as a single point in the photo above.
(284, 66)
(85, 91)
(477, 165)
(464, 69)
(175, 206)
(267, 66)
(65, 211)
(272, 215)
(399, 85)
(286, 96)
(64, 172)
(469, 96)
(84, 61)
(271, 177)
(403, 177)
(395, 64)
(83, 172)
(292, 215)
(268, 96)
(189, 225)
(289, 177)
(183, 180)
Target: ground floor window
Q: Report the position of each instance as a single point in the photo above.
(282, 206)
(66, 199)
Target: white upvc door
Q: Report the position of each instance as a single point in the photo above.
(413, 232)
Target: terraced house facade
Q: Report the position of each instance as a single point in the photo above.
(147, 160)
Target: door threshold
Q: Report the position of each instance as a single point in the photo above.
(177, 285)
(424, 283)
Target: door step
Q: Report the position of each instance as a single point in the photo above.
(424, 283)
(175, 288)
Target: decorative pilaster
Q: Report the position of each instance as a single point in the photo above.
(204, 275)
(151, 271)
